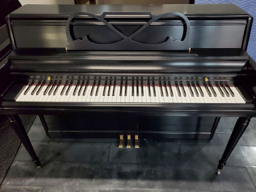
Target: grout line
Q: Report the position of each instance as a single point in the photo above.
(109, 152)
(253, 182)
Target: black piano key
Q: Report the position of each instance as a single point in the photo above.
(161, 88)
(182, 88)
(200, 89)
(190, 89)
(28, 88)
(195, 88)
(47, 89)
(105, 87)
(64, 88)
(213, 91)
(133, 86)
(52, 88)
(178, 89)
(40, 88)
(121, 87)
(207, 90)
(138, 89)
(149, 91)
(57, 88)
(86, 86)
(36, 87)
(69, 87)
(154, 88)
(93, 87)
(219, 89)
(81, 88)
(230, 91)
(98, 87)
(142, 87)
(126, 87)
(114, 87)
(170, 87)
(76, 89)
(224, 89)
(166, 89)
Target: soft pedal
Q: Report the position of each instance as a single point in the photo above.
(121, 141)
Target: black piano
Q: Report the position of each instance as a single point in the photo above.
(130, 72)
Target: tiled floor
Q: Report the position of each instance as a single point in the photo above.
(89, 165)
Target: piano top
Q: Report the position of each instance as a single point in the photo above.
(64, 11)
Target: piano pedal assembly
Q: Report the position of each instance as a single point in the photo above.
(129, 141)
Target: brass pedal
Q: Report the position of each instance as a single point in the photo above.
(137, 141)
(121, 141)
(128, 141)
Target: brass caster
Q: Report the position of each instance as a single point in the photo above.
(218, 171)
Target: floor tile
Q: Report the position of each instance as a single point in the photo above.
(54, 173)
(226, 124)
(37, 133)
(67, 189)
(123, 155)
(252, 172)
(108, 176)
(163, 153)
(8, 188)
(67, 152)
(194, 178)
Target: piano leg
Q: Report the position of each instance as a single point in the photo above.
(238, 131)
(44, 125)
(19, 129)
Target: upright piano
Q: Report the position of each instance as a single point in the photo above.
(129, 72)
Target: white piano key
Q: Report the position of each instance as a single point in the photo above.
(207, 98)
(122, 95)
(21, 94)
(110, 93)
(99, 95)
(126, 96)
(41, 97)
(157, 97)
(188, 96)
(175, 98)
(88, 93)
(28, 97)
(219, 97)
(168, 97)
(144, 98)
(238, 96)
(140, 94)
(183, 98)
(161, 97)
(58, 94)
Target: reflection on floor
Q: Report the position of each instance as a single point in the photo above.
(88, 165)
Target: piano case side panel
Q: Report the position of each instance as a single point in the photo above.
(111, 125)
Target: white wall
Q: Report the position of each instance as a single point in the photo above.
(24, 2)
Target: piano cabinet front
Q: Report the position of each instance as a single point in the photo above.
(111, 125)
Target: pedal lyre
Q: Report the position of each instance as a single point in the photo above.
(128, 141)
(137, 141)
(121, 141)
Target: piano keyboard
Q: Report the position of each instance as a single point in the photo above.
(131, 91)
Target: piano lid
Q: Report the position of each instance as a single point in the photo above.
(64, 11)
